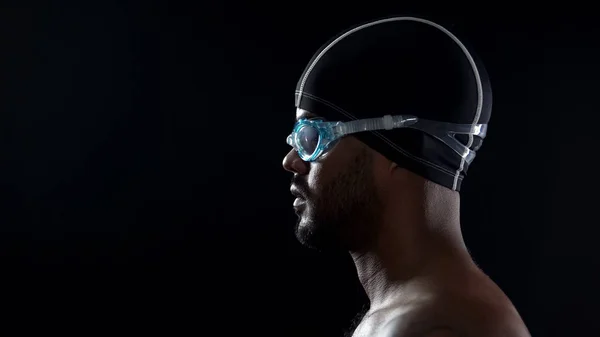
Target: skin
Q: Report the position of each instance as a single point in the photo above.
(403, 233)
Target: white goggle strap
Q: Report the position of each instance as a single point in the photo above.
(441, 130)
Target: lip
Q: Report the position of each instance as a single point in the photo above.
(299, 202)
(299, 206)
(295, 192)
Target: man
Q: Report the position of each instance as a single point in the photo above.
(389, 116)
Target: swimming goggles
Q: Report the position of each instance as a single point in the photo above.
(312, 138)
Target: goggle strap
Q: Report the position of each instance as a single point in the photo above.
(443, 131)
(371, 124)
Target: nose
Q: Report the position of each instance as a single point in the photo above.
(293, 163)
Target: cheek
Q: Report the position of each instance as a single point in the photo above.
(325, 170)
(316, 177)
(381, 176)
(321, 177)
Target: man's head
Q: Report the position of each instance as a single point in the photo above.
(392, 67)
(343, 195)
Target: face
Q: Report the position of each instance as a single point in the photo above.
(338, 207)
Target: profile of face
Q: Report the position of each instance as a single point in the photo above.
(338, 206)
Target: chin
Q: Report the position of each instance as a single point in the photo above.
(312, 236)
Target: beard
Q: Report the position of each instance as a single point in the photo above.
(344, 214)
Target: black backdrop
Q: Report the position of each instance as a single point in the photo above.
(141, 180)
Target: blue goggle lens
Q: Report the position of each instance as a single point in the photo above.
(308, 138)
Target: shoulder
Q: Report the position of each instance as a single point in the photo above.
(457, 317)
(401, 329)
(484, 316)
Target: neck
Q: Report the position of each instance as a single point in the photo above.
(419, 239)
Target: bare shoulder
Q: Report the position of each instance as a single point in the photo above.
(458, 316)
(486, 311)
(483, 318)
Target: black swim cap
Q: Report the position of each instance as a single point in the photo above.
(401, 66)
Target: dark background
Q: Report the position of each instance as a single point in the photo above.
(141, 181)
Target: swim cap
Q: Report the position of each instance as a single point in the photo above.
(401, 66)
